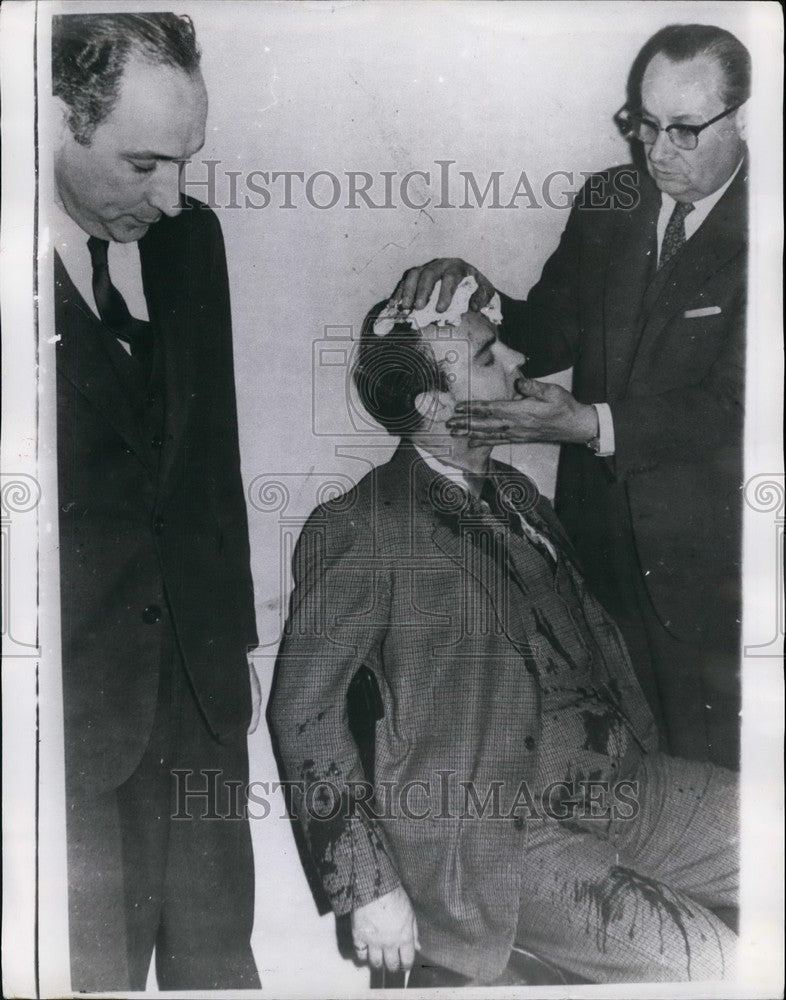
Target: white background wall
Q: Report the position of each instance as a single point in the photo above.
(379, 86)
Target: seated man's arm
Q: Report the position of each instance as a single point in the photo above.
(339, 602)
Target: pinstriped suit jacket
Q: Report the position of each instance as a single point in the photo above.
(402, 576)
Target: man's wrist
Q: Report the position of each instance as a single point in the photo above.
(589, 426)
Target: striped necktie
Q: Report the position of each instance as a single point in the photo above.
(502, 507)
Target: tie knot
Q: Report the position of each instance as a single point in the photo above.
(681, 210)
(98, 251)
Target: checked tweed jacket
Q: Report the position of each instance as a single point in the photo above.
(402, 575)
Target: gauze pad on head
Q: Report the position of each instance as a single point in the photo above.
(420, 318)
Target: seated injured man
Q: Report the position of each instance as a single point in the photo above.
(518, 795)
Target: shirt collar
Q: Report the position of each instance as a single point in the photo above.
(68, 237)
(451, 472)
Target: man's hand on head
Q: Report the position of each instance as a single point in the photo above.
(416, 285)
(544, 413)
(385, 932)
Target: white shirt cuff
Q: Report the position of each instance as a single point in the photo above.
(605, 430)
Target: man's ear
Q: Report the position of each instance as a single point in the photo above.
(60, 111)
(433, 405)
(741, 119)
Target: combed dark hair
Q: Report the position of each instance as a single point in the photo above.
(90, 51)
(681, 42)
(390, 373)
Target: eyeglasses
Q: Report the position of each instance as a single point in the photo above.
(631, 123)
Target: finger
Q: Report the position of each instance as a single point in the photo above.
(478, 418)
(450, 282)
(477, 407)
(407, 287)
(499, 409)
(481, 426)
(429, 276)
(375, 957)
(482, 294)
(530, 387)
(485, 442)
(422, 285)
(415, 933)
(407, 955)
(391, 958)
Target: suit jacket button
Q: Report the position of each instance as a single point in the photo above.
(158, 525)
(518, 822)
(529, 743)
(157, 441)
(151, 614)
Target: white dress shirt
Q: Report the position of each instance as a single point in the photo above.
(701, 209)
(125, 267)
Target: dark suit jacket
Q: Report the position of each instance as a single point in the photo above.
(143, 526)
(394, 575)
(675, 384)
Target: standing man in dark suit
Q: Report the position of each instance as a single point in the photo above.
(157, 597)
(645, 297)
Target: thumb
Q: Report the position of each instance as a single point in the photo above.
(482, 294)
(530, 387)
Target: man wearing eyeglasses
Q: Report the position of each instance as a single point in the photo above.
(645, 297)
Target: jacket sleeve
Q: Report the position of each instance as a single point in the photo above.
(338, 604)
(224, 471)
(545, 327)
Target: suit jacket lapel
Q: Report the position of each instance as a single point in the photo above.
(631, 264)
(165, 278)
(537, 510)
(474, 542)
(83, 359)
(722, 236)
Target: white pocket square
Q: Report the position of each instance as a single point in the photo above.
(704, 311)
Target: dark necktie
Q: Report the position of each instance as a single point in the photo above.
(674, 237)
(113, 310)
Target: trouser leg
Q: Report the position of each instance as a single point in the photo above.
(634, 905)
(204, 937)
(693, 688)
(697, 684)
(143, 803)
(117, 852)
(96, 911)
(139, 879)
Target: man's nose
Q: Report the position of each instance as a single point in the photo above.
(662, 149)
(164, 192)
(515, 362)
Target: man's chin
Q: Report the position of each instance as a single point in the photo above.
(673, 184)
(127, 231)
